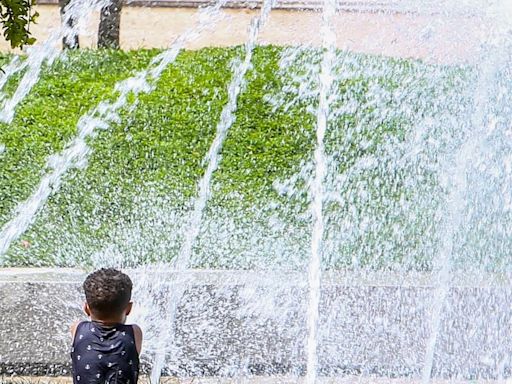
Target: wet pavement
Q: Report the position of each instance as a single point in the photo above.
(259, 327)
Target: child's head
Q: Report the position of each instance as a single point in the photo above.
(108, 293)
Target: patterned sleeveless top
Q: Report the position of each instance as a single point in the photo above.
(104, 354)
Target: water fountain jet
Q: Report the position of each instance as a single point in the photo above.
(48, 51)
(212, 159)
(317, 188)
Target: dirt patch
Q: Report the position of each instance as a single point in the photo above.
(435, 38)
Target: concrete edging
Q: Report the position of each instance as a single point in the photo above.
(288, 278)
(251, 380)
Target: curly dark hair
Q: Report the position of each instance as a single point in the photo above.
(107, 291)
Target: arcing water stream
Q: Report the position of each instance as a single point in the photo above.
(482, 124)
(212, 159)
(47, 52)
(317, 187)
(14, 66)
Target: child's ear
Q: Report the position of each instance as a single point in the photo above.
(87, 310)
(128, 308)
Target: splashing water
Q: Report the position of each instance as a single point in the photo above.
(483, 124)
(317, 188)
(193, 226)
(453, 217)
(75, 154)
(389, 181)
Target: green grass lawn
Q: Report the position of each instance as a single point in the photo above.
(128, 205)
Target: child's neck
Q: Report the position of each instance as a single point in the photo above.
(111, 321)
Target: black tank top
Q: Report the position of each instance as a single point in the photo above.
(104, 355)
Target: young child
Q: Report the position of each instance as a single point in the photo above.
(105, 350)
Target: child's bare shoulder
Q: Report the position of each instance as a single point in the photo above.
(137, 333)
(74, 327)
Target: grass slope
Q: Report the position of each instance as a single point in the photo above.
(129, 204)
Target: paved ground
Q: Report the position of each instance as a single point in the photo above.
(433, 37)
(257, 326)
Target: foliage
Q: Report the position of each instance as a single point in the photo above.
(16, 16)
